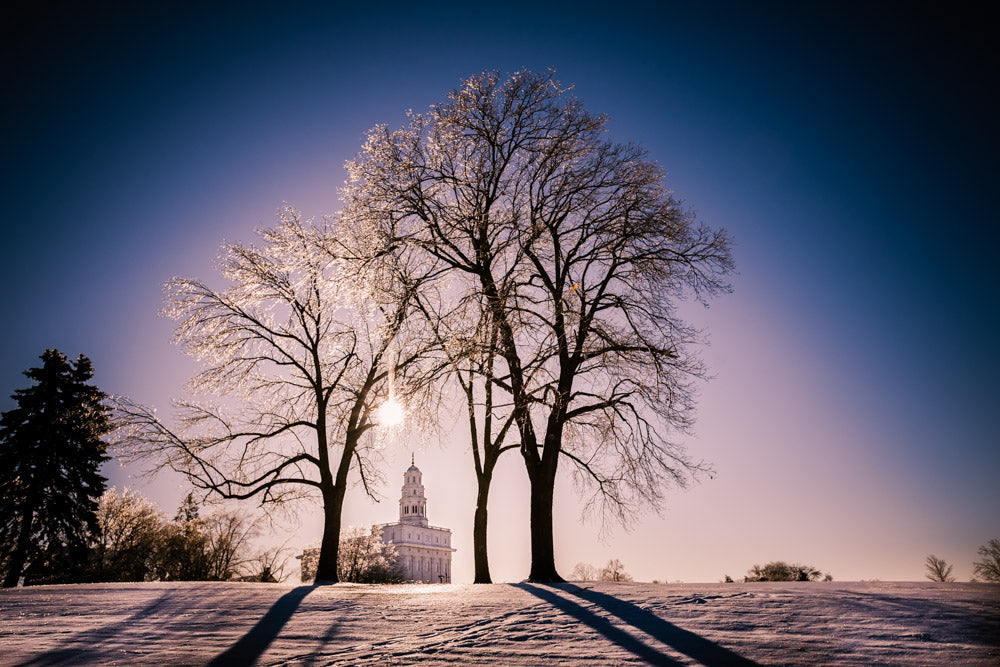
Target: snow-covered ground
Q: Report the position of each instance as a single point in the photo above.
(597, 623)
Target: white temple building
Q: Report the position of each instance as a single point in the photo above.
(424, 550)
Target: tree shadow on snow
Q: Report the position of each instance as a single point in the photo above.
(88, 643)
(252, 645)
(690, 644)
(317, 656)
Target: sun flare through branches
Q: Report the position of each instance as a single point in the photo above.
(391, 413)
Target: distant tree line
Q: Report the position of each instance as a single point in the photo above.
(136, 543)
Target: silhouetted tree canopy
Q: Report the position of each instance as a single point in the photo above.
(297, 355)
(572, 245)
(615, 571)
(51, 450)
(938, 569)
(987, 567)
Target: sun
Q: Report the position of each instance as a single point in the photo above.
(391, 413)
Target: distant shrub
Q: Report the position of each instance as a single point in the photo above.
(615, 571)
(365, 559)
(781, 571)
(727, 580)
(988, 568)
(583, 572)
(938, 569)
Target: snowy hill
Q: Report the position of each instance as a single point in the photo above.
(598, 623)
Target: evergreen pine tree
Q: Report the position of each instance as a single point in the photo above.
(50, 482)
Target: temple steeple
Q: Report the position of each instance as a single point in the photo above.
(412, 502)
(424, 551)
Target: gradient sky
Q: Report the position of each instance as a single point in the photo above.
(851, 152)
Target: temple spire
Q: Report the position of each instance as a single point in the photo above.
(412, 502)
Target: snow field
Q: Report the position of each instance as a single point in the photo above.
(593, 623)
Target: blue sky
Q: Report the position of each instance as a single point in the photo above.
(851, 152)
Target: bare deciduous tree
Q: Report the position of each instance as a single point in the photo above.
(987, 567)
(267, 566)
(466, 340)
(134, 542)
(583, 572)
(579, 256)
(129, 538)
(615, 571)
(303, 349)
(938, 569)
(229, 535)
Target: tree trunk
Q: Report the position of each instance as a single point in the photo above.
(333, 503)
(20, 555)
(479, 524)
(543, 563)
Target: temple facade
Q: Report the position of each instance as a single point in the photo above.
(424, 550)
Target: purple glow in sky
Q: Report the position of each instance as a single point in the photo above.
(852, 154)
